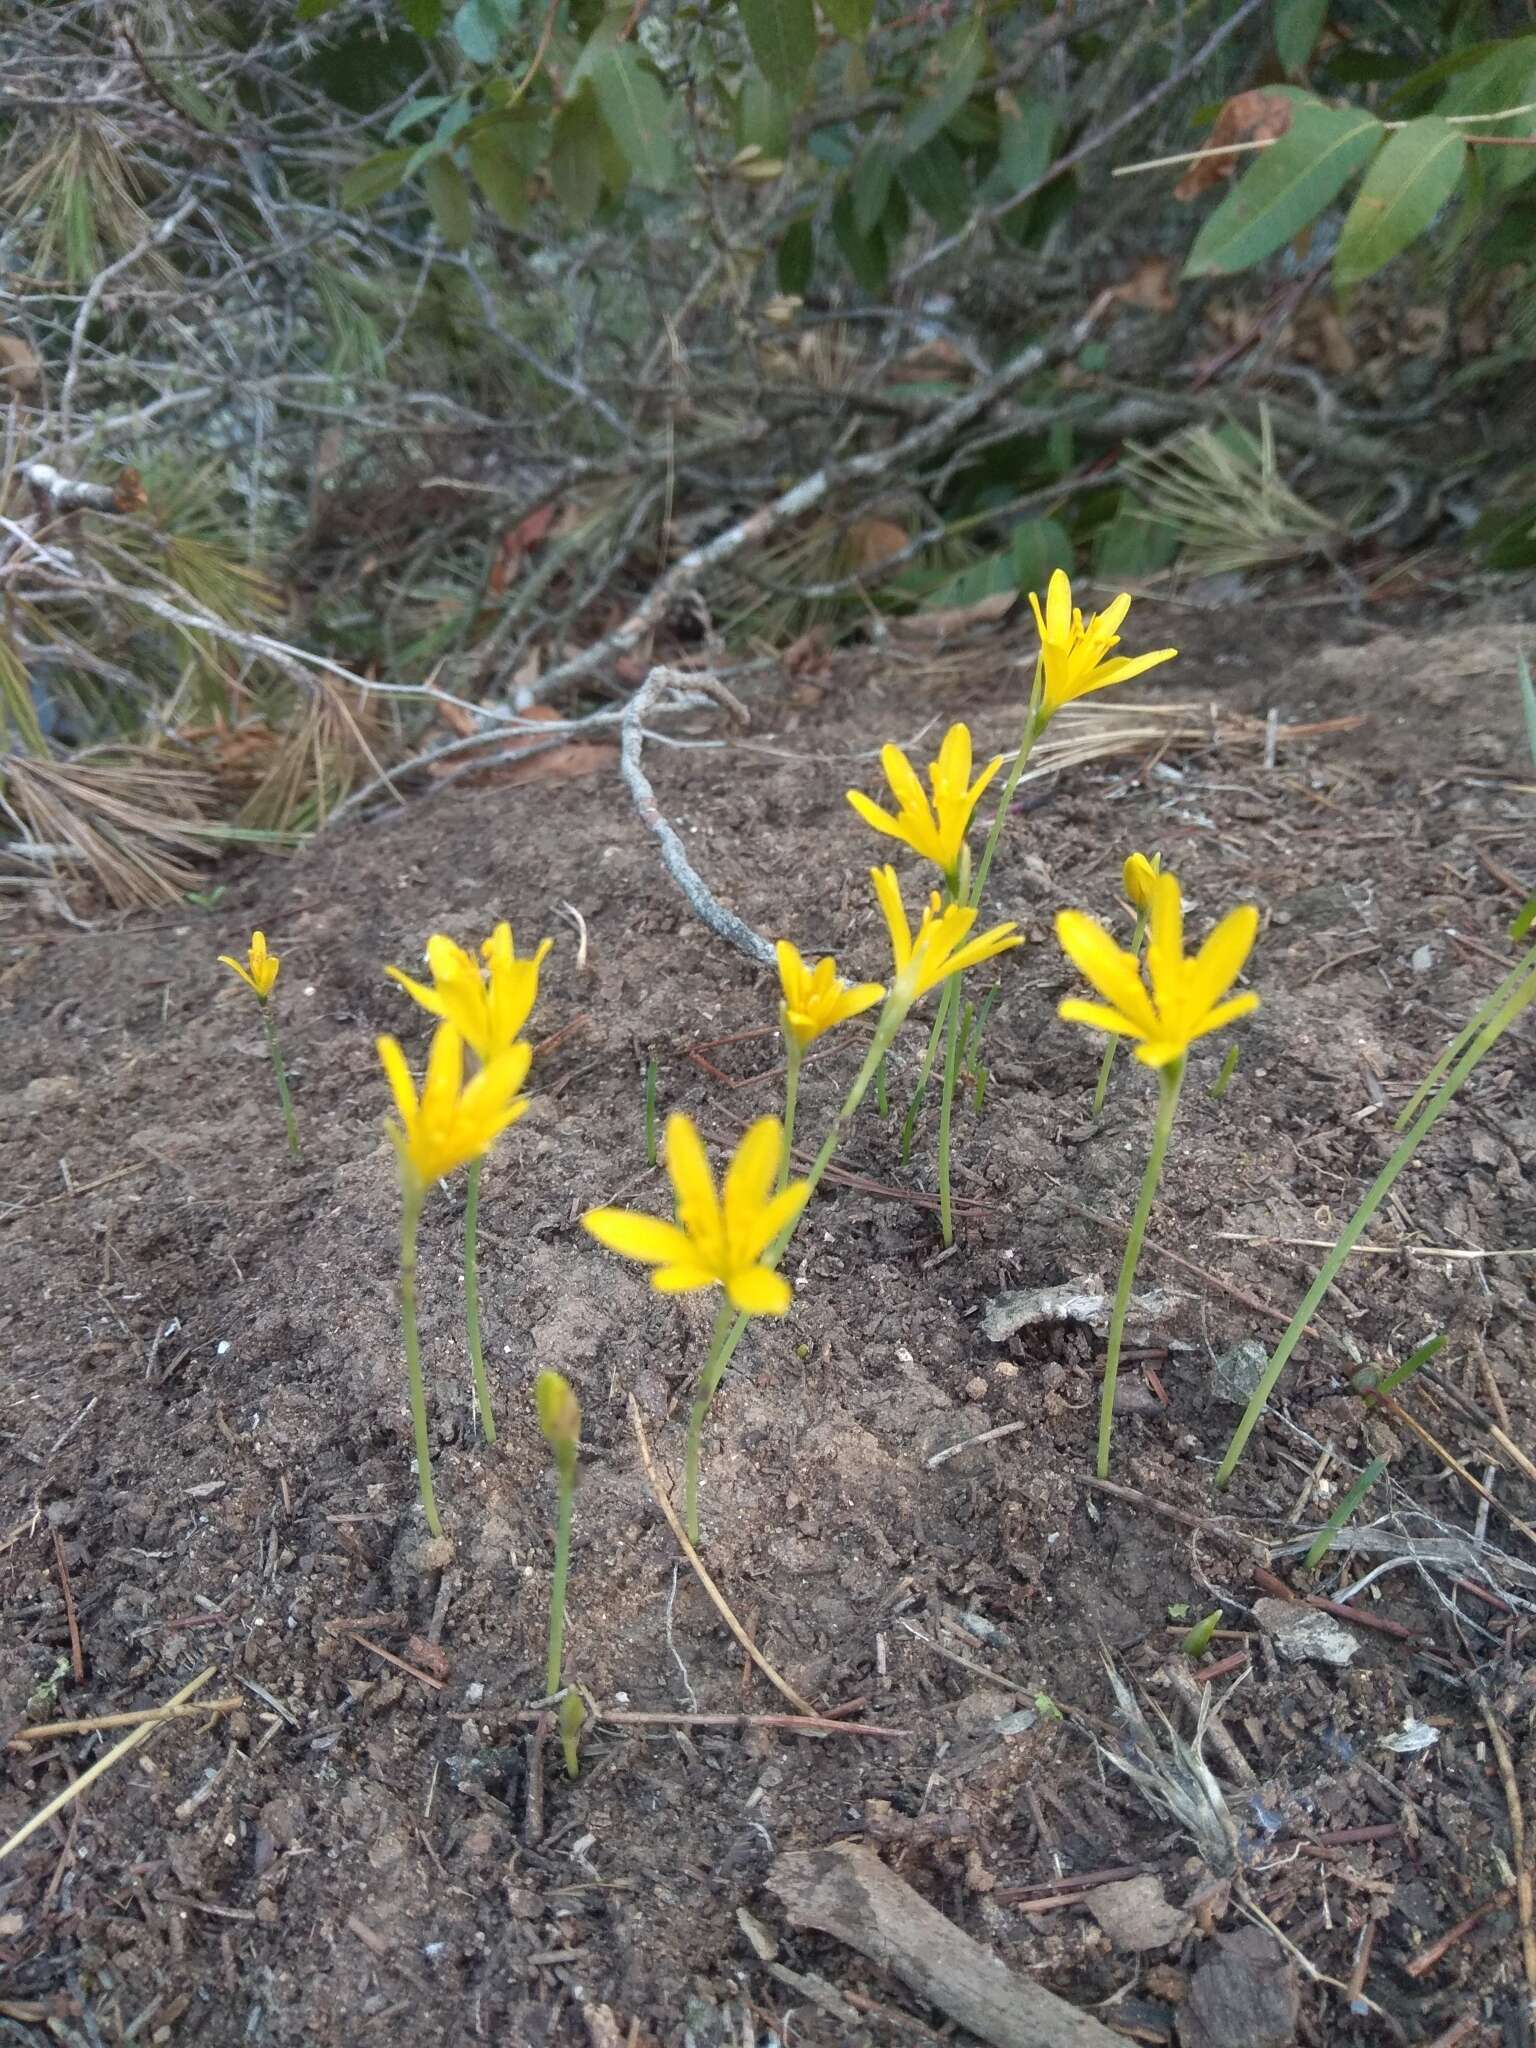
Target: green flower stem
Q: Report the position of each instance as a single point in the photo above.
(1034, 726)
(915, 1106)
(565, 1471)
(1170, 1079)
(882, 1099)
(410, 1217)
(269, 1024)
(1463, 1039)
(946, 1106)
(722, 1350)
(1113, 1045)
(472, 1301)
(721, 1345)
(1328, 1272)
(794, 1053)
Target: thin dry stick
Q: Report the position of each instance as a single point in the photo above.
(725, 923)
(781, 1685)
(1454, 1464)
(49, 1731)
(144, 1733)
(1523, 1885)
(787, 1724)
(76, 1653)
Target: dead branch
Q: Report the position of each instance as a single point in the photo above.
(725, 923)
(847, 1892)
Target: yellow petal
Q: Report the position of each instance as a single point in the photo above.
(1160, 1052)
(1109, 621)
(1221, 959)
(1228, 1013)
(683, 1279)
(872, 814)
(749, 1181)
(693, 1185)
(498, 1081)
(225, 961)
(1138, 877)
(864, 995)
(1097, 1015)
(952, 769)
(1100, 961)
(398, 1075)
(775, 1217)
(902, 777)
(444, 1076)
(1058, 605)
(758, 1291)
(984, 778)
(639, 1236)
(450, 962)
(1123, 667)
(888, 895)
(791, 972)
(1002, 938)
(1165, 941)
(429, 998)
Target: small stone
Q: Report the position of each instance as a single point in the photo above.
(1005, 1369)
(1236, 1374)
(1422, 959)
(1304, 1634)
(1135, 1915)
(976, 1388)
(266, 1912)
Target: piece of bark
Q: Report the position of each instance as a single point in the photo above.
(1245, 1995)
(847, 1892)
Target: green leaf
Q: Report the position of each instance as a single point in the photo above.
(935, 176)
(1505, 79)
(851, 18)
(1198, 1639)
(575, 168)
(414, 111)
(797, 257)
(762, 118)
(1026, 143)
(425, 16)
(311, 10)
(374, 176)
(1038, 547)
(1298, 24)
(500, 175)
(1524, 921)
(782, 37)
(479, 25)
(1528, 701)
(1286, 189)
(634, 106)
(872, 185)
(866, 255)
(1400, 195)
(986, 578)
(952, 68)
(1132, 545)
(448, 197)
(1459, 61)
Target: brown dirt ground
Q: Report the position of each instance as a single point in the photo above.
(205, 1411)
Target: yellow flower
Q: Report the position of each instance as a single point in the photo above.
(487, 1007)
(259, 968)
(1076, 657)
(814, 998)
(1185, 999)
(937, 830)
(1140, 874)
(940, 947)
(717, 1239)
(451, 1124)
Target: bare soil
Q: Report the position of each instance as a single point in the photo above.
(204, 1433)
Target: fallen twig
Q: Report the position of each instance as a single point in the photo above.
(847, 1892)
(76, 1653)
(1523, 1887)
(780, 1685)
(1427, 1958)
(48, 1731)
(143, 1733)
(725, 923)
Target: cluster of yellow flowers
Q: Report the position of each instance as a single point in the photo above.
(731, 1236)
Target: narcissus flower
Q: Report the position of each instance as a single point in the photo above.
(1076, 658)
(718, 1239)
(940, 947)
(452, 1123)
(934, 830)
(815, 999)
(1187, 998)
(487, 1006)
(259, 968)
(1140, 874)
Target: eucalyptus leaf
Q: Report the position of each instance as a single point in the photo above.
(851, 18)
(782, 37)
(1400, 195)
(448, 197)
(634, 108)
(952, 69)
(1298, 24)
(1284, 192)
